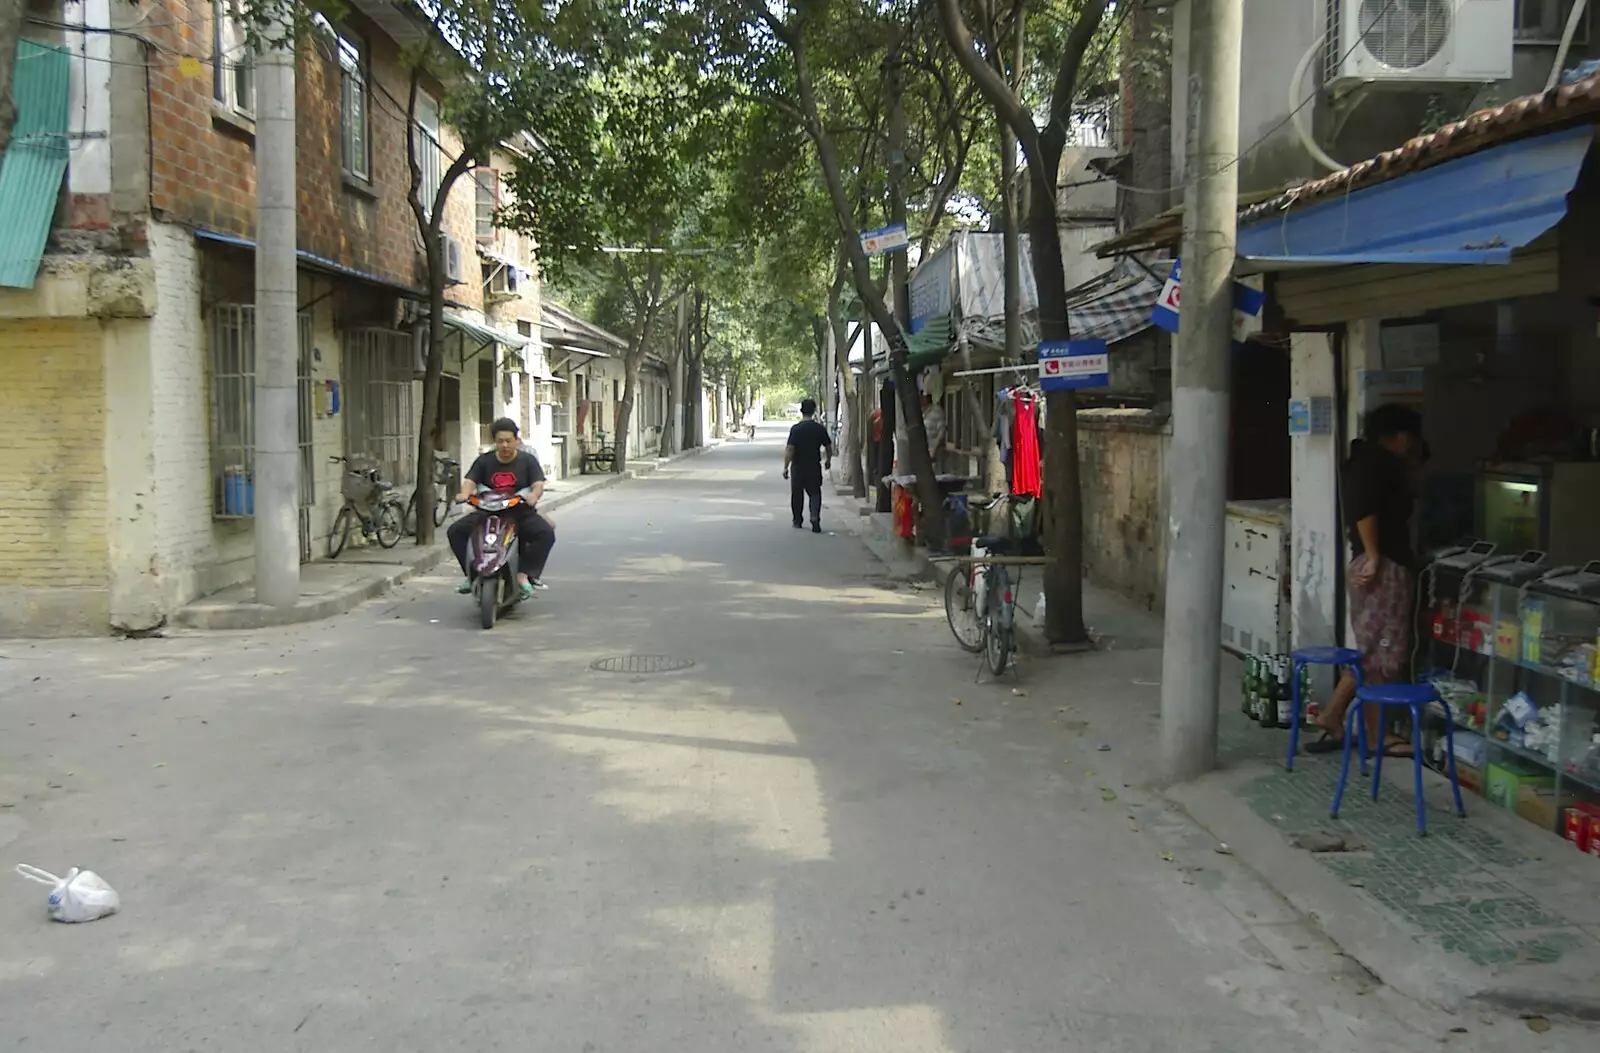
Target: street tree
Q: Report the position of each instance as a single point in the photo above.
(504, 71)
(1042, 137)
(810, 62)
(510, 70)
(636, 237)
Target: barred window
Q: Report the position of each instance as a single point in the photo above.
(232, 67)
(379, 419)
(233, 411)
(356, 149)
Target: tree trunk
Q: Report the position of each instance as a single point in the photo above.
(12, 14)
(670, 426)
(630, 383)
(433, 372)
(1063, 494)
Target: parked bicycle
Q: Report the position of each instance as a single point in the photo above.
(370, 501)
(443, 498)
(980, 603)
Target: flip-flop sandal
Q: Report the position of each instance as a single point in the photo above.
(1326, 744)
(1392, 749)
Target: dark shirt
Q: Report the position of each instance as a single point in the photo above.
(809, 439)
(521, 473)
(1376, 483)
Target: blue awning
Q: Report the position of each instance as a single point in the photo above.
(1475, 209)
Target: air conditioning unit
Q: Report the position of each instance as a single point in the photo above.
(1406, 43)
(452, 260)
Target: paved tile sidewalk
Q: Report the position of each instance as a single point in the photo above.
(1490, 907)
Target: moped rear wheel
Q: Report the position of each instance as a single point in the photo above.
(488, 602)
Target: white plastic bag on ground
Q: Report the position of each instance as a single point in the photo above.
(82, 895)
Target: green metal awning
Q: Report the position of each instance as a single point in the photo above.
(485, 335)
(929, 345)
(35, 162)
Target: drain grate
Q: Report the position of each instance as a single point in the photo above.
(642, 663)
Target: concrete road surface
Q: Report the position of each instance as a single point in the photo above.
(396, 831)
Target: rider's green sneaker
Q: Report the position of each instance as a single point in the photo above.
(465, 587)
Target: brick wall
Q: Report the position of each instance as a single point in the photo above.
(52, 468)
(1123, 457)
(203, 170)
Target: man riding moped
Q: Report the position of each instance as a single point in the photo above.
(510, 469)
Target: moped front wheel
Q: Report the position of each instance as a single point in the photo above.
(488, 602)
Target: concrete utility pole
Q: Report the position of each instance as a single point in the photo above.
(1192, 650)
(277, 439)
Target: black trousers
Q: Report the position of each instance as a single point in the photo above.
(535, 538)
(805, 481)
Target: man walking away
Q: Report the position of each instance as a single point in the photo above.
(803, 464)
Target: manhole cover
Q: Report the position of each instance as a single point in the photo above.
(642, 663)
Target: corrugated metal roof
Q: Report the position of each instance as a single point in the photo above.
(1561, 106)
(35, 161)
(1165, 230)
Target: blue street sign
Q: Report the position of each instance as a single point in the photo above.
(1068, 364)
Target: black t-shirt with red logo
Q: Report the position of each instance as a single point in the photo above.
(521, 472)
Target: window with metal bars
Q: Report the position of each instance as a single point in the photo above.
(487, 412)
(379, 419)
(429, 153)
(1543, 22)
(233, 411)
(487, 182)
(233, 68)
(354, 97)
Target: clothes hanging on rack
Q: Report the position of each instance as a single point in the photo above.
(1026, 477)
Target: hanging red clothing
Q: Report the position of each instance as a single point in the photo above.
(1025, 476)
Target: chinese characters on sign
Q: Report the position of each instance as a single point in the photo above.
(885, 239)
(1068, 364)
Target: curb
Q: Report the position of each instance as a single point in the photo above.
(1380, 943)
(232, 617)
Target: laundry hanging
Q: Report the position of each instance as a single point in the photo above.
(1026, 477)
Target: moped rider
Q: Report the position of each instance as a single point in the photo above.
(509, 469)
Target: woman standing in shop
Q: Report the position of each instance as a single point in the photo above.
(1378, 495)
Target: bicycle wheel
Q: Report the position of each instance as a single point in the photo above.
(961, 611)
(388, 520)
(998, 642)
(408, 521)
(441, 509)
(339, 536)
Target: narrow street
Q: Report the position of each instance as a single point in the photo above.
(396, 831)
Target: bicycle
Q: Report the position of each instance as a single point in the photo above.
(444, 499)
(980, 603)
(362, 488)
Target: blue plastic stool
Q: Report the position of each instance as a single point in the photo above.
(1348, 657)
(1414, 697)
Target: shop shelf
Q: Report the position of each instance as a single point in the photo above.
(1592, 785)
(1526, 754)
(1554, 674)
(1436, 710)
